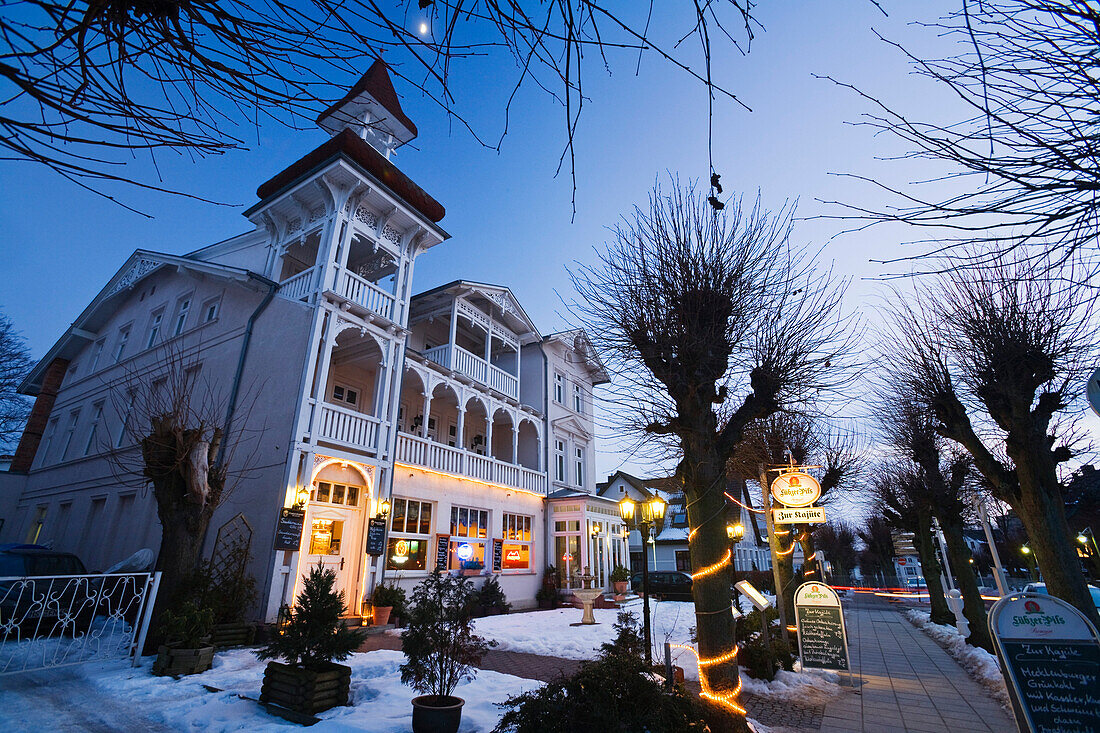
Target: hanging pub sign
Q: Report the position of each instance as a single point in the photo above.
(822, 638)
(288, 530)
(442, 550)
(796, 489)
(805, 515)
(1050, 657)
(498, 555)
(376, 536)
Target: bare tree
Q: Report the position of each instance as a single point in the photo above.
(15, 362)
(838, 541)
(998, 356)
(87, 85)
(878, 546)
(1020, 172)
(690, 306)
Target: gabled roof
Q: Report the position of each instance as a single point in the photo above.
(577, 340)
(500, 296)
(137, 267)
(376, 82)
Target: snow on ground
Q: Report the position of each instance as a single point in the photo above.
(112, 697)
(981, 665)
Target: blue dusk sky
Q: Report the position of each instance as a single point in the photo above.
(510, 218)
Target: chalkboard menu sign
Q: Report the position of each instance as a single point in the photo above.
(1050, 657)
(442, 550)
(376, 536)
(822, 639)
(288, 531)
(498, 555)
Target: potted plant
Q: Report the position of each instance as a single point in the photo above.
(472, 568)
(387, 599)
(441, 650)
(312, 639)
(489, 600)
(620, 579)
(186, 648)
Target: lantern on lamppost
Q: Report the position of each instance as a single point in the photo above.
(643, 518)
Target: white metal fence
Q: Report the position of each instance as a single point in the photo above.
(60, 620)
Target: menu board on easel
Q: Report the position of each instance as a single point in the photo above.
(822, 638)
(1050, 657)
(442, 551)
(498, 555)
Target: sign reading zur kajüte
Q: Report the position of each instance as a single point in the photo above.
(822, 637)
(796, 489)
(803, 515)
(1050, 658)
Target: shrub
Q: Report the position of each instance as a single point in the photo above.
(762, 662)
(547, 596)
(187, 627)
(612, 694)
(628, 640)
(314, 635)
(439, 643)
(490, 599)
(389, 595)
(620, 574)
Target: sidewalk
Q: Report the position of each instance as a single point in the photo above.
(906, 682)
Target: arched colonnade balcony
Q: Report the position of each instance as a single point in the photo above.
(449, 426)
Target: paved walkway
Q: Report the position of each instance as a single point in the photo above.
(517, 664)
(906, 682)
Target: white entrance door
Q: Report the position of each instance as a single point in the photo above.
(332, 540)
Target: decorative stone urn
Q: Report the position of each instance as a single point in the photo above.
(586, 594)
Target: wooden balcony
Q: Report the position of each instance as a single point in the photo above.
(417, 451)
(348, 428)
(462, 361)
(349, 288)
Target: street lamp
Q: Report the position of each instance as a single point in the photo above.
(1030, 562)
(642, 518)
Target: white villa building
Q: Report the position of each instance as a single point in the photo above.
(347, 388)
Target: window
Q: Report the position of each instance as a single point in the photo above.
(131, 395)
(97, 351)
(578, 398)
(97, 416)
(559, 460)
(683, 560)
(325, 536)
(73, 417)
(452, 434)
(559, 389)
(410, 530)
(154, 328)
(336, 493)
(516, 533)
(345, 394)
(51, 429)
(123, 337)
(469, 529)
(210, 310)
(579, 460)
(182, 310)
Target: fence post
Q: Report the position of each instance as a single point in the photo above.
(146, 617)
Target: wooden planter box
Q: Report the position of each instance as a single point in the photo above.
(238, 634)
(179, 661)
(306, 690)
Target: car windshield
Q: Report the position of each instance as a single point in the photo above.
(54, 565)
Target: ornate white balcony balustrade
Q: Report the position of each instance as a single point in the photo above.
(300, 286)
(462, 361)
(349, 288)
(349, 428)
(417, 451)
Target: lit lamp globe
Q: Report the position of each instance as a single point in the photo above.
(735, 532)
(626, 510)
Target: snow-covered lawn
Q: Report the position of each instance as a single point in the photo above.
(381, 704)
(981, 665)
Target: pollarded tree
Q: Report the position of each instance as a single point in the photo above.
(15, 362)
(691, 307)
(999, 356)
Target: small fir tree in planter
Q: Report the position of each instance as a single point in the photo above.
(620, 579)
(312, 640)
(387, 600)
(441, 650)
(186, 648)
(490, 600)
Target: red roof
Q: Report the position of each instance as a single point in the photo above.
(375, 82)
(352, 147)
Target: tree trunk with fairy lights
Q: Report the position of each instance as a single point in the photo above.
(688, 305)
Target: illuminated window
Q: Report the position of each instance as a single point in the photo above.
(516, 533)
(410, 533)
(469, 530)
(324, 538)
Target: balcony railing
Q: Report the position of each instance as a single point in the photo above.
(365, 293)
(457, 358)
(418, 451)
(348, 427)
(298, 286)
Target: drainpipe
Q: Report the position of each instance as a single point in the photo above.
(272, 286)
(546, 449)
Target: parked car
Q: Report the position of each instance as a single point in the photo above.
(1042, 588)
(38, 605)
(671, 585)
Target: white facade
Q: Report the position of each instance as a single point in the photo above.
(356, 391)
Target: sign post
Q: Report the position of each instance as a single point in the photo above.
(1050, 657)
(822, 636)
